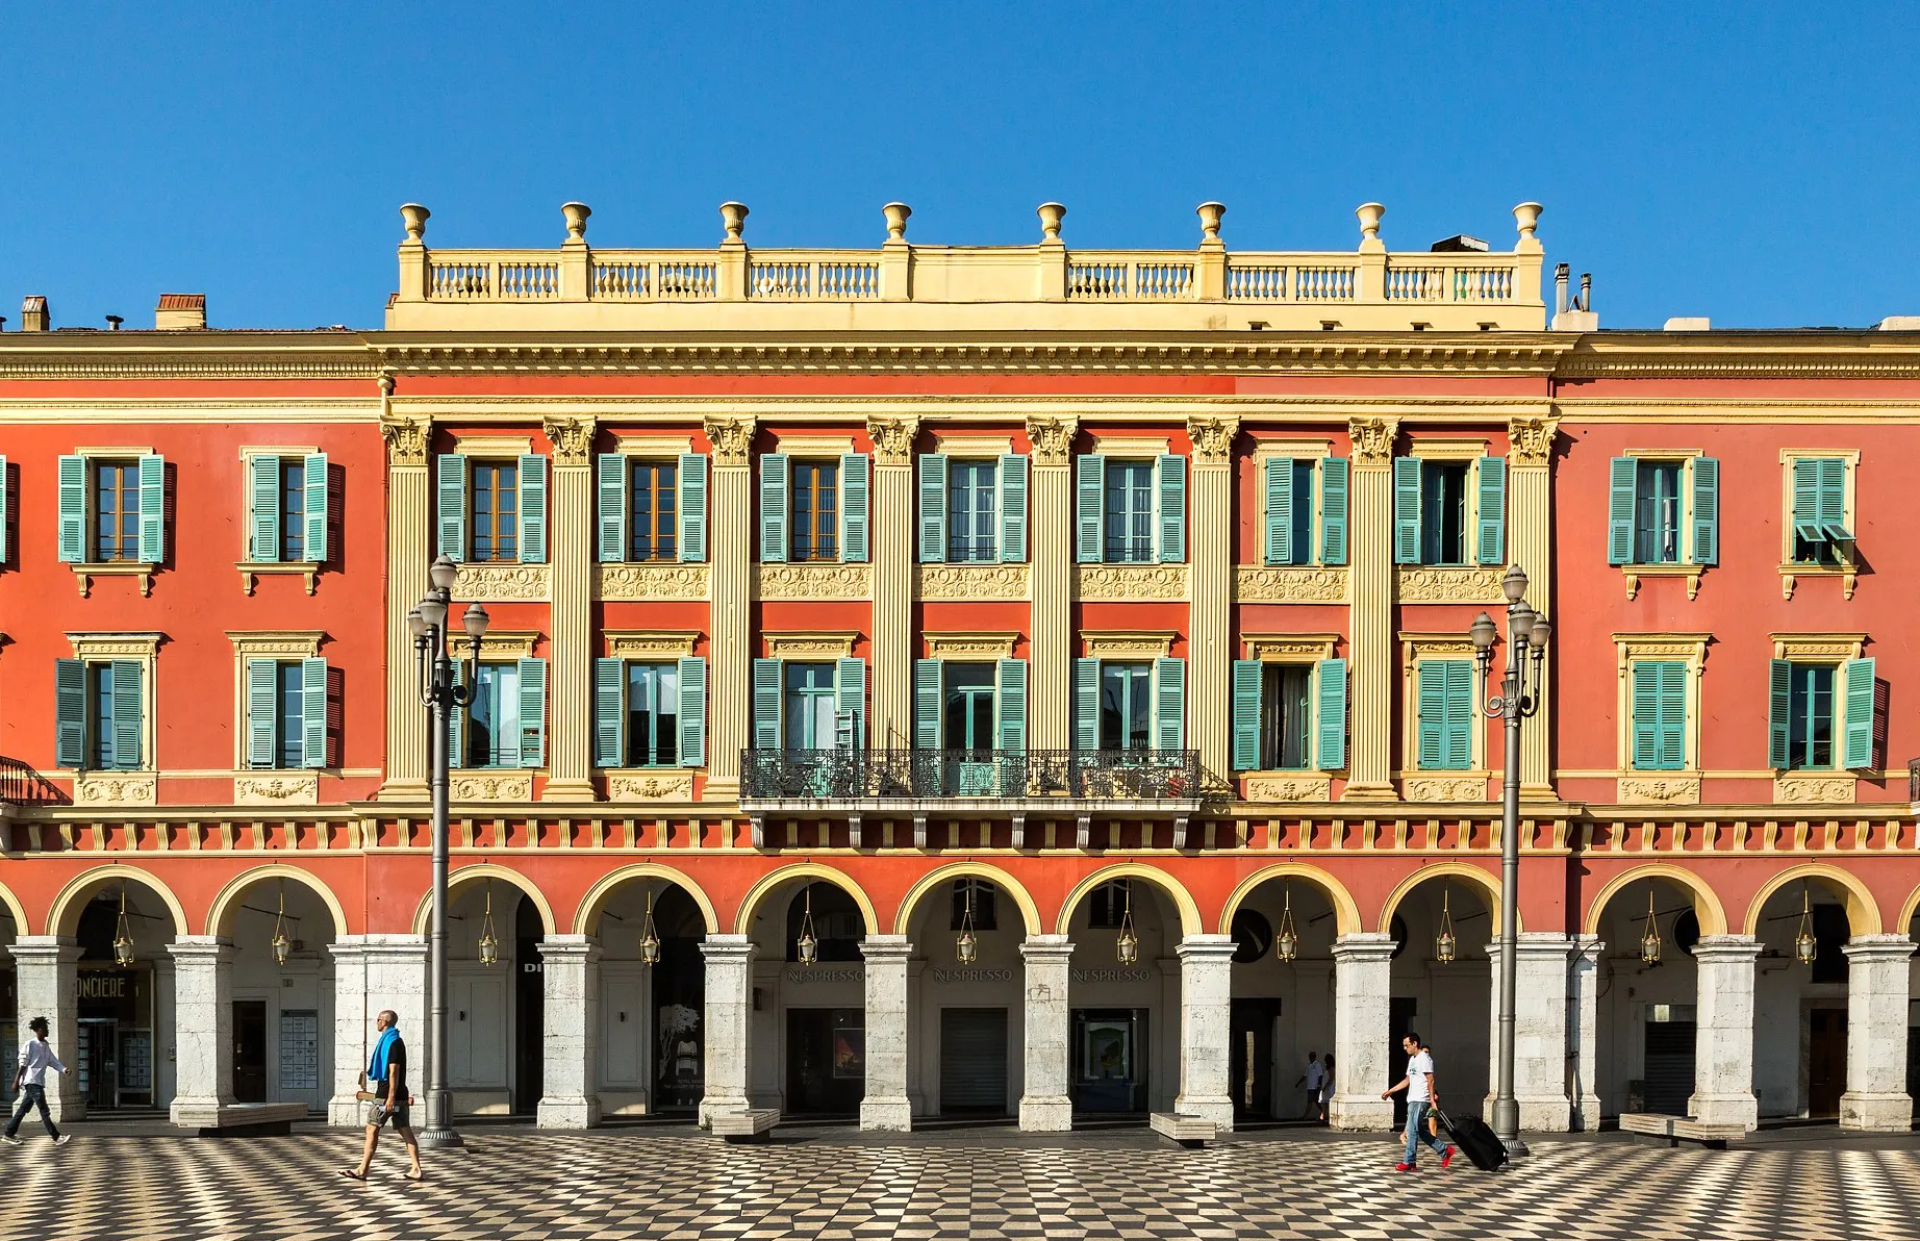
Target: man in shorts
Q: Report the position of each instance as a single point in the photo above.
(387, 1082)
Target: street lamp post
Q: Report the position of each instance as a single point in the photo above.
(1518, 699)
(440, 692)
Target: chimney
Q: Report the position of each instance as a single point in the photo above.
(34, 315)
(180, 310)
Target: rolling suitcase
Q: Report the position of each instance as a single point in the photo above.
(1476, 1141)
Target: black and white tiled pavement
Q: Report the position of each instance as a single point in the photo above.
(826, 1185)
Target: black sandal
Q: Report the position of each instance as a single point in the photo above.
(352, 1176)
(411, 1177)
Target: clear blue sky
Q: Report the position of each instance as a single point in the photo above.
(1759, 164)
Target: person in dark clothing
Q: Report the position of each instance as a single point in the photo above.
(387, 1081)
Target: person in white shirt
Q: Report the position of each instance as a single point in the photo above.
(1315, 1080)
(36, 1057)
(1421, 1098)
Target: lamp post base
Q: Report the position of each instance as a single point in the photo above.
(440, 1140)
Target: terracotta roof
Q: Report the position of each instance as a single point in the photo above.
(183, 301)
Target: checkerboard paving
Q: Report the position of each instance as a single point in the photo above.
(672, 1184)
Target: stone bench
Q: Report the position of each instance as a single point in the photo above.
(239, 1120)
(1192, 1132)
(1677, 1129)
(753, 1125)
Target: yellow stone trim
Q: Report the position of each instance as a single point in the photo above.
(1290, 648)
(1706, 905)
(1863, 911)
(1266, 449)
(139, 786)
(773, 880)
(1448, 448)
(643, 444)
(1657, 788)
(1811, 647)
(1631, 575)
(1052, 439)
(499, 644)
(1681, 786)
(971, 447)
(276, 786)
(83, 574)
(1346, 911)
(971, 583)
(406, 441)
(1801, 788)
(97, 453)
(978, 645)
(1847, 566)
(650, 643)
(1258, 583)
(1130, 582)
(251, 571)
(1289, 786)
(503, 582)
(249, 451)
(1124, 446)
(1414, 648)
(814, 446)
(1415, 583)
(487, 445)
(99, 647)
(809, 645)
(1452, 786)
(940, 881)
(1684, 455)
(649, 784)
(1126, 644)
(489, 784)
(644, 581)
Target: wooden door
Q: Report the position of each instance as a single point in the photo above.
(1826, 1060)
(250, 1051)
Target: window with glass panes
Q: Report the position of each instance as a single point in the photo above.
(816, 510)
(653, 715)
(1126, 706)
(493, 717)
(1107, 905)
(289, 715)
(1656, 525)
(1300, 520)
(496, 511)
(967, 722)
(1810, 718)
(972, 512)
(981, 894)
(100, 717)
(293, 508)
(1443, 512)
(1286, 724)
(116, 510)
(653, 520)
(808, 708)
(1130, 511)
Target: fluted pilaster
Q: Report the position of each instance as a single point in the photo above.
(1210, 633)
(893, 531)
(408, 541)
(570, 541)
(1370, 622)
(1530, 545)
(1050, 629)
(730, 636)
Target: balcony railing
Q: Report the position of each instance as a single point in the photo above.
(859, 776)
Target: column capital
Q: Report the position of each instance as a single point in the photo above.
(572, 439)
(201, 947)
(885, 948)
(1213, 439)
(1588, 947)
(1728, 949)
(406, 440)
(893, 440)
(1373, 441)
(732, 440)
(60, 949)
(1052, 439)
(575, 947)
(1878, 948)
(1047, 948)
(1206, 948)
(1536, 944)
(1530, 441)
(1364, 946)
(738, 948)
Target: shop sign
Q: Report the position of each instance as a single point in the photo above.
(1136, 974)
(971, 975)
(798, 976)
(100, 985)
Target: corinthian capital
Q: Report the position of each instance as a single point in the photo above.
(1213, 439)
(1530, 440)
(893, 439)
(406, 440)
(1052, 439)
(1373, 439)
(732, 439)
(572, 440)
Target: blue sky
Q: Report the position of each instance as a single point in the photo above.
(1757, 163)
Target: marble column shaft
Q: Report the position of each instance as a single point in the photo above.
(1723, 1055)
(1539, 1030)
(729, 1023)
(1583, 1032)
(1206, 1028)
(1362, 984)
(202, 1025)
(885, 1105)
(1878, 982)
(47, 984)
(570, 966)
(371, 973)
(1045, 1106)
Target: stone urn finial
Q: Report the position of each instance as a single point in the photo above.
(576, 214)
(1527, 216)
(896, 214)
(1210, 214)
(1050, 216)
(1369, 214)
(734, 216)
(415, 217)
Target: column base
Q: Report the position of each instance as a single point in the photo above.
(71, 1107)
(344, 1111)
(192, 1111)
(1538, 792)
(1359, 1112)
(710, 1104)
(1876, 1113)
(721, 790)
(1370, 792)
(1586, 1117)
(1739, 1108)
(886, 1115)
(403, 790)
(1216, 1108)
(568, 1112)
(1045, 1113)
(569, 791)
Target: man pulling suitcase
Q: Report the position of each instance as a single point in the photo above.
(1421, 1098)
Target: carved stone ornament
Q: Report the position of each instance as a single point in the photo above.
(1444, 788)
(732, 440)
(1052, 439)
(1530, 440)
(624, 583)
(1659, 790)
(1373, 438)
(1212, 439)
(893, 439)
(1263, 584)
(970, 582)
(813, 581)
(650, 786)
(1290, 788)
(1809, 790)
(406, 440)
(278, 789)
(651, 644)
(1470, 585)
(115, 788)
(506, 786)
(572, 440)
(488, 583)
(1121, 582)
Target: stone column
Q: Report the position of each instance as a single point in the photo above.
(1877, 999)
(1723, 1056)
(371, 973)
(1206, 1029)
(885, 1105)
(570, 544)
(1530, 545)
(729, 1024)
(202, 1029)
(890, 510)
(1362, 985)
(1539, 1031)
(409, 539)
(1583, 1033)
(1370, 612)
(47, 984)
(571, 966)
(730, 528)
(1050, 627)
(1044, 1104)
(1211, 548)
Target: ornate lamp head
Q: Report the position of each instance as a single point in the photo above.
(1446, 946)
(1127, 947)
(807, 947)
(649, 938)
(282, 944)
(966, 949)
(1286, 944)
(1806, 949)
(123, 935)
(489, 943)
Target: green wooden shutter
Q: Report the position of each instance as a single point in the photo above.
(1010, 707)
(854, 509)
(73, 510)
(1806, 499)
(1169, 704)
(1333, 510)
(1833, 500)
(1279, 515)
(127, 708)
(1706, 510)
(692, 479)
(1459, 714)
(1432, 730)
(609, 712)
(1647, 754)
(933, 507)
(5, 510)
(313, 713)
(1246, 714)
(1857, 675)
(766, 704)
(450, 505)
(1779, 709)
(1330, 714)
(533, 712)
(533, 508)
(1406, 510)
(70, 712)
(153, 510)
(773, 508)
(314, 468)
(693, 711)
(1673, 715)
(1170, 477)
(1622, 473)
(457, 723)
(1013, 507)
(850, 696)
(1089, 508)
(1086, 704)
(261, 675)
(263, 508)
(926, 704)
(610, 508)
(1491, 478)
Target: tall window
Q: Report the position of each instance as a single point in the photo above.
(1107, 905)
(980, 893)
(1446, 714)
(653, 706)
(1126, 706)
(809, 707)
(654, 522)
(496, 510)
(116, 512)
(289, 715)
(1659, 715)
(974, 512)
(1286, 725)
(293, 508)
(1300, 520)
(968, 722)
(1810, 717)
(816, 510)
(1819, 509)
(1443, 512)
(100, 717)
(1657, 523)
(1130, 511)
(493, 718)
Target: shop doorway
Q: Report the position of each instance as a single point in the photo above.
(250, 1051)
(1252, 1058)
(1401, 1012)
(1668, 1064)
(99, 1062)
(1109, 1060)
(973, 1061)
(529, 994)
(826, 1061)
(1826, 1061)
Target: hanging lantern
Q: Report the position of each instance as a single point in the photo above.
(282, 945)
(807, 947)
(489, 945)
(1446, 945)
(649, 939)
(1650, 939)
(1127, 947)
(966, 949)
(123, 935)
(1805, 946)
(1286, 945)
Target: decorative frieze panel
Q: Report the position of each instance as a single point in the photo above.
(649, 643)
(632, 583)
(1803, 790)
(1105, 583)
(813, 581)
(1445, 788)
(502, 583)
(1289, 584)
(1653, 790)
(968, 583)
(650, 786)
(277, 788)
(513, 786)
(1420, 584)
(1290, 786)
(115, 788)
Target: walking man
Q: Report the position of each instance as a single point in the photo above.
(36, 1057)
(1421, 1099)
(387, 1082)
(1315, 1080)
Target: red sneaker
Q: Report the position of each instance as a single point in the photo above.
(1404, 1167)
(1447, 1158)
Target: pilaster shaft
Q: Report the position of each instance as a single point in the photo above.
(893, 541)
(732, 523)
(202, 1026)
(1530, 545)
(1877, 999)
(1370, 611)
(885, 1105)
(1539, 1030)
(47, 982)
(1584, 1033)
(371, 973)
(1210, 546)
(570, 540)
(1362, 983)
(729, 1023)
(1206, 1028)
(1723, 1054)
(1050, 628)
(408, 541)
(1044, 1104)
(570, 965)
